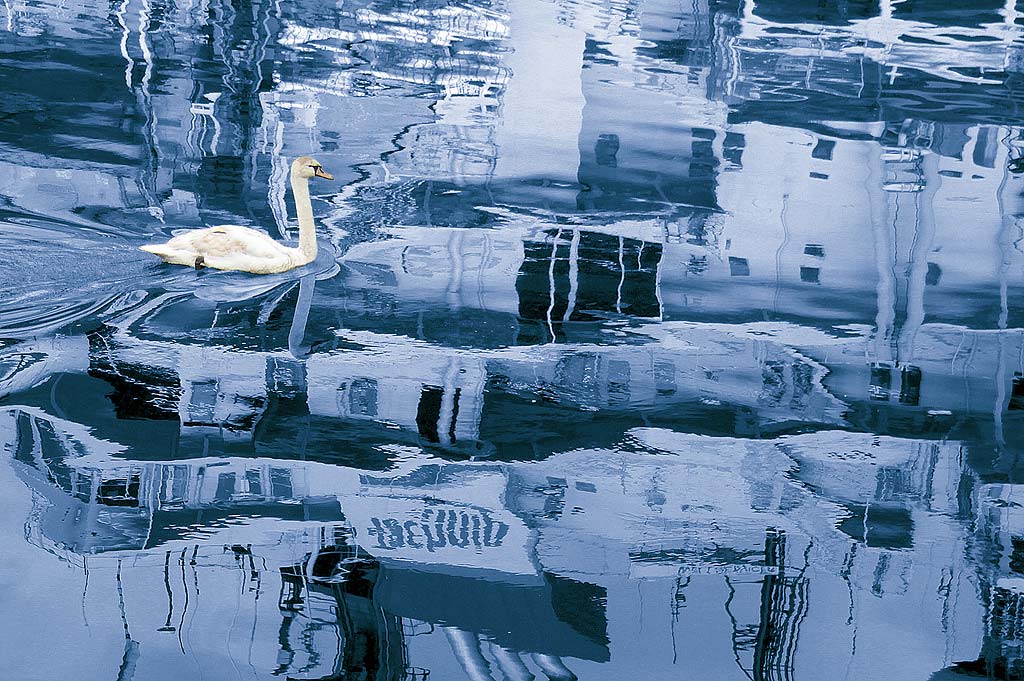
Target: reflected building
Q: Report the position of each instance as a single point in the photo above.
(735, 535)
(999, 514)
(566, 280)
(188, 528)
(842, 226)
(171, 147)
(770, 588)
(660, 54)
(876, 60)
(202, 400)
(738, 537)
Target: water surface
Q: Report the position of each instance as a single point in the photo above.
(648, 340)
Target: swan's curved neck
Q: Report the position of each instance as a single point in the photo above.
(304, 209)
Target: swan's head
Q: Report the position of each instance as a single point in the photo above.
(307, 167)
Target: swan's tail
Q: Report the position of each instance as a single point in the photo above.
(170, 255)
(155, 249)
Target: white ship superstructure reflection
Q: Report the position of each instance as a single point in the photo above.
(366, 517)
(682, 518)
(956, 44)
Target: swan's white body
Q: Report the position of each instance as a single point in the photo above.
(242, 249)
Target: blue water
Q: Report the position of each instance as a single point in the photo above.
(647, 340)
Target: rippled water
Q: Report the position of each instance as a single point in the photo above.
(648, 340)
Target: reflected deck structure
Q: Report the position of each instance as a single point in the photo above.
(372, 479)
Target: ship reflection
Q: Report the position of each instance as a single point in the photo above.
(521, 568)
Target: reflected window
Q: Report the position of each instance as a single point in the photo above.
(281, 482)
(702, 149)
(946, 13)
(910, 386)
(253, 483)
(739, 267)
(618, 382)
(697, 229)
(881, 382)
(425, 261)
(803, 384)
(605, 273)
(773, 383)
(703, 160)
(665, 378)
(579, 372)
(1004, 622)
(732, 148)
(81, 486)
(605, 150)
(697, 264)
(175, 487)
(1017, 555)
(880, 525)
(823, 150)
(285, 375)
(119, 491)
(892, 482)
(835, 12)
(985, 147)
(810, 275)
(225, 487)
(933, 276)
(203, 403)
(950, 140)
(362, 397)
(1017, 392)
(428, 413)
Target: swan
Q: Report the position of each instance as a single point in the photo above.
(241, 249)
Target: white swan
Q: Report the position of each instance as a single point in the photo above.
(232, 247)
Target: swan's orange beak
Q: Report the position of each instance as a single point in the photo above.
(320, 172)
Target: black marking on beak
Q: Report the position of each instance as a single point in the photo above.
(200, 262)
(320, 172)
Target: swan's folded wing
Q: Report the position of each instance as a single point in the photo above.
(226, 240)
(251, 242)
(226, 247)
(244, 262)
